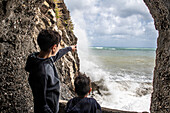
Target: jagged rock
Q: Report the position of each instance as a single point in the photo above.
(160, 11)
(21, 21)
(144, 89)
(97, 86)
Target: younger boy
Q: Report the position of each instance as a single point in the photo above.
(43, 77)
(82, 104)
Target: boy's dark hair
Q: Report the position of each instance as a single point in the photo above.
(82, 84)
(47, 38)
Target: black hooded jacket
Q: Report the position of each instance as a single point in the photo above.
(44, 81)
(83, 105)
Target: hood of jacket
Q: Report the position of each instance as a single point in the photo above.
(74, 105)
(33, 61)
(82, 105)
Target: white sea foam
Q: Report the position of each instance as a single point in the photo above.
(99, 47)
(126, 91)
(124, 95)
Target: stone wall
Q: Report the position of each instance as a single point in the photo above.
(160, 11)
(20, 23)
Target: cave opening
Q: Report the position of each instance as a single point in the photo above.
(123, 44)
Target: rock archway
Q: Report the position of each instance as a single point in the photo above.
(20, 23)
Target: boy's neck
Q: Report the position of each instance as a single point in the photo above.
(44, 54)
(82, 96)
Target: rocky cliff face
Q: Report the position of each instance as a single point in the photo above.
(20, 23)
(160, 11)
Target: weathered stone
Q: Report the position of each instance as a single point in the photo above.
(160, 11)
(21, 21)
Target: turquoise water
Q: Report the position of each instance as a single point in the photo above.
(138, 63)
(126, 73)
(122, 48)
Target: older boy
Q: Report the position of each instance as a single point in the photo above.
(82, 104)
(43, 77)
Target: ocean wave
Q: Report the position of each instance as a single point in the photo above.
(118, 88)
(103, 48)
(121, 48)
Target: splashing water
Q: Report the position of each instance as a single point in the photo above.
(128, 89)
(124, 76)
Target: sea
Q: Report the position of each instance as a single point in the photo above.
(124, 76)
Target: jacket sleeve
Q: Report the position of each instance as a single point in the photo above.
(43, 89)
(61, 52)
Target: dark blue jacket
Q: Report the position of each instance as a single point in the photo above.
(44, 81)
(83, 105)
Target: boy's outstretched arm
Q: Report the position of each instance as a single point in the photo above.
(63, 51)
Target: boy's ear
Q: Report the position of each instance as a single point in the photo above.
(90, 90)
(54, 46)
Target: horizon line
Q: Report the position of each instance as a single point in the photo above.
(122, 47)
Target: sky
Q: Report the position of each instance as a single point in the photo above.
(113, 23)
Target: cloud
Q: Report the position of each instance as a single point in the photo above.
(110, 20)
(125, 8)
